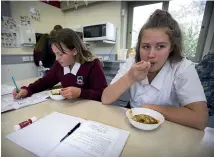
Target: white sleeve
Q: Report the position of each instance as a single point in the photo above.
(123, 69)
(188, 86)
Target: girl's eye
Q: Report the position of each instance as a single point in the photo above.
(160, 46)
(145, 47)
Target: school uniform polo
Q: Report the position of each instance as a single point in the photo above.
(88, 76)
(176, 84)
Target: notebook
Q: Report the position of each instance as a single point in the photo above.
(91, 139)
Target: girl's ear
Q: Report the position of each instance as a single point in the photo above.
(171, 48)
(74, 52)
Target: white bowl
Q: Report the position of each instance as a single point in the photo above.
(56, 97)
(149, 112)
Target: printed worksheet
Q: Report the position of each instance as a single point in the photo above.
(6, 89)
(92, 139)
(8, 103)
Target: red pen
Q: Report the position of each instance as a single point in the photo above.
(25, 123)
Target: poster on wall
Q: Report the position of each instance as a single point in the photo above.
(9, 39)
(8, 23)
(25, 21)
(35, 14)
(9, 32)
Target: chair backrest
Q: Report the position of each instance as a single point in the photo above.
(205, 71)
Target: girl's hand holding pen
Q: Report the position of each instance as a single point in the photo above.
(21, 94)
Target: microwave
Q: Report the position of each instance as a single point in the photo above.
(100, 31)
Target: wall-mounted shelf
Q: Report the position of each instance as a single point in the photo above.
(108, 42)
(101, 41)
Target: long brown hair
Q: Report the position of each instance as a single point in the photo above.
(71, 40)
(162, 19)
(40, 46)
(53, 33)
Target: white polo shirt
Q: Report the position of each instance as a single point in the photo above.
(175, 85)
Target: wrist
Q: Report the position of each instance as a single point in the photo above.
(129, 78)
(26, 91)
(157, 108)
(79, 92)
(150, 106)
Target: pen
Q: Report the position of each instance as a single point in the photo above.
(70, 132)
(14, 82)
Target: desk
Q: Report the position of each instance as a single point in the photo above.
(169, 140)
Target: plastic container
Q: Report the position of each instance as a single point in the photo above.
(132, 52)
(122, 55)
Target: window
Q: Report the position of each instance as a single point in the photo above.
(189, 15)
(140, 16)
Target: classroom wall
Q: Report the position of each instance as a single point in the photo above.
(18, 71)
(50, 16)
(96, 13)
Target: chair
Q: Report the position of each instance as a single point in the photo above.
(205, 71)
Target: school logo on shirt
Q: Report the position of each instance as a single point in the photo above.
(80, 80)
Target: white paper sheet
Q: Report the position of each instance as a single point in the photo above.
(8, 103)
(6, 89)
(42, 138)
(45, 134)
(92, 139)
(34, 99)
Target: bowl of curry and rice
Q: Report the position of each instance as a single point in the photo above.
(144, 118)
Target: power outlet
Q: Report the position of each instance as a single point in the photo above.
(26, 59)
(31, 58)
(106, 58)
